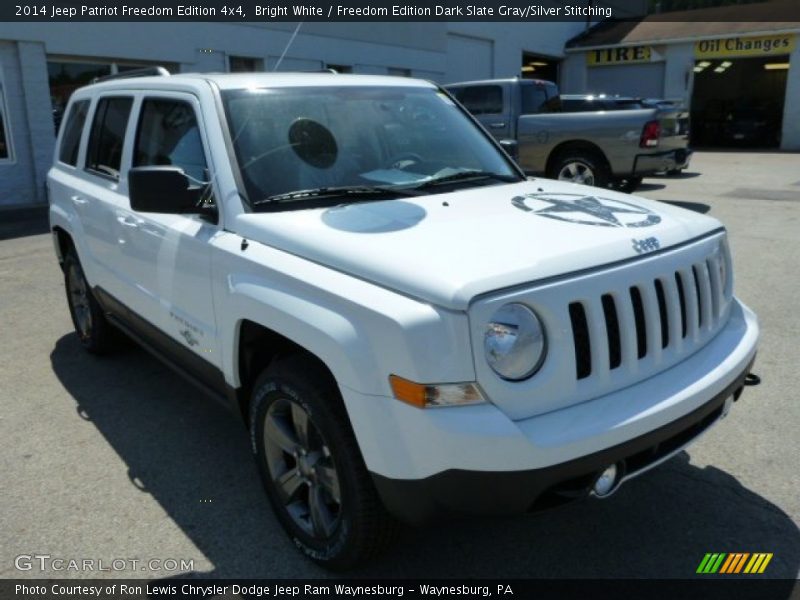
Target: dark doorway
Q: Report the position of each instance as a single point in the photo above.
(738, 102)
(536, 66)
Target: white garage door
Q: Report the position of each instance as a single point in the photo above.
(644, 81)
(469, 58)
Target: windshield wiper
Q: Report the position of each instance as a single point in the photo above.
(466, 176)
(364, 191)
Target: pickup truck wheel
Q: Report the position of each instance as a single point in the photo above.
(581, 167)
(94, 331)
(311, 467)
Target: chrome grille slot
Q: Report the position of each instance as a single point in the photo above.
(612, 331)
(713, 264)
(704, 292)
(580, 334)
(682, 300)
(662, 313)
(690, 298)
(639, 323)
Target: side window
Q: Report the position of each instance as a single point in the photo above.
(104, 155)
(533, 98)
(73, 128)
(168, 135)
(482, 99)
(573, 105)
(554, 105)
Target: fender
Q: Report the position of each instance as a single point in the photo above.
(361, 331)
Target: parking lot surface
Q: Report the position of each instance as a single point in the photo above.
(117, 458)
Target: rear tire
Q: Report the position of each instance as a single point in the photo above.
(629, 184)
(95, 333)
(311, 466)
(581, 166)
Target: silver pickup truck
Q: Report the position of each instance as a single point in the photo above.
(603, 148)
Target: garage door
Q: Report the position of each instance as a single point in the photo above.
(644, 81)
(469, 58)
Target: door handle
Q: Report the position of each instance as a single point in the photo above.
(78, 200)
(128, 221)
(497, 125)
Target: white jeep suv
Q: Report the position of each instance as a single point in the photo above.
(407, 325)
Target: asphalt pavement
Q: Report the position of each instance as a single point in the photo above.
(117, 458)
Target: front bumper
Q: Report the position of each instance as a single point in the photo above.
(671, 160)
(516, 492)
(475, 459)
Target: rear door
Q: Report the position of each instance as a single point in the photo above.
(102, 193)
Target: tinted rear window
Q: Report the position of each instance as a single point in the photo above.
(481, 99)
(104, 155)
(533, 98)
(73, 127)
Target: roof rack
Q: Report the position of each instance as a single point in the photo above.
(145, 72)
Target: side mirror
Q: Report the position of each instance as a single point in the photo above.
(164, 190)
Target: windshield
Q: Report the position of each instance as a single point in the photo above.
(290, 140)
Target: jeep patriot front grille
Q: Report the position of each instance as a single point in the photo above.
(675, 311)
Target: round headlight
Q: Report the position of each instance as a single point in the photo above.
(514, 342)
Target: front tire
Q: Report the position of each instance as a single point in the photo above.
(95, 333)
(311, 467)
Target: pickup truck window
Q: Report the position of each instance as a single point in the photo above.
(71, 140)
(533, 99)
(296, 139)
(483, 99)
(104, 155)
(168, 135)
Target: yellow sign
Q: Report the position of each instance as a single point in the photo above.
(620, 56)
(764, 45)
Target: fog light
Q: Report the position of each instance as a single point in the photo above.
(607, 481)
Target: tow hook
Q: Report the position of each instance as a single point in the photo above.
(752, 379)
(749, 380)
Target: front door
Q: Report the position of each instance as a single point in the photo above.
(171, 253)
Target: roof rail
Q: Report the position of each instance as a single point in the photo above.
(325, 70)
(145, 72)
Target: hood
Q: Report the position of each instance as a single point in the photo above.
(448, 248)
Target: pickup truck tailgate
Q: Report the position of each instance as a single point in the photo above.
(674, 129)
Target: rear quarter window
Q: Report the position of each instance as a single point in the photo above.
(104, 155)
(533, 99)
(73, 128)
(481, 99)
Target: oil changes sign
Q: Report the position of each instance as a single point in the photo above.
(622, 56)
(766, 45)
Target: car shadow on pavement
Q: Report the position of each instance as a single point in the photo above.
(648, 187)
(192, 457)
(697, 207)
(681, 175)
